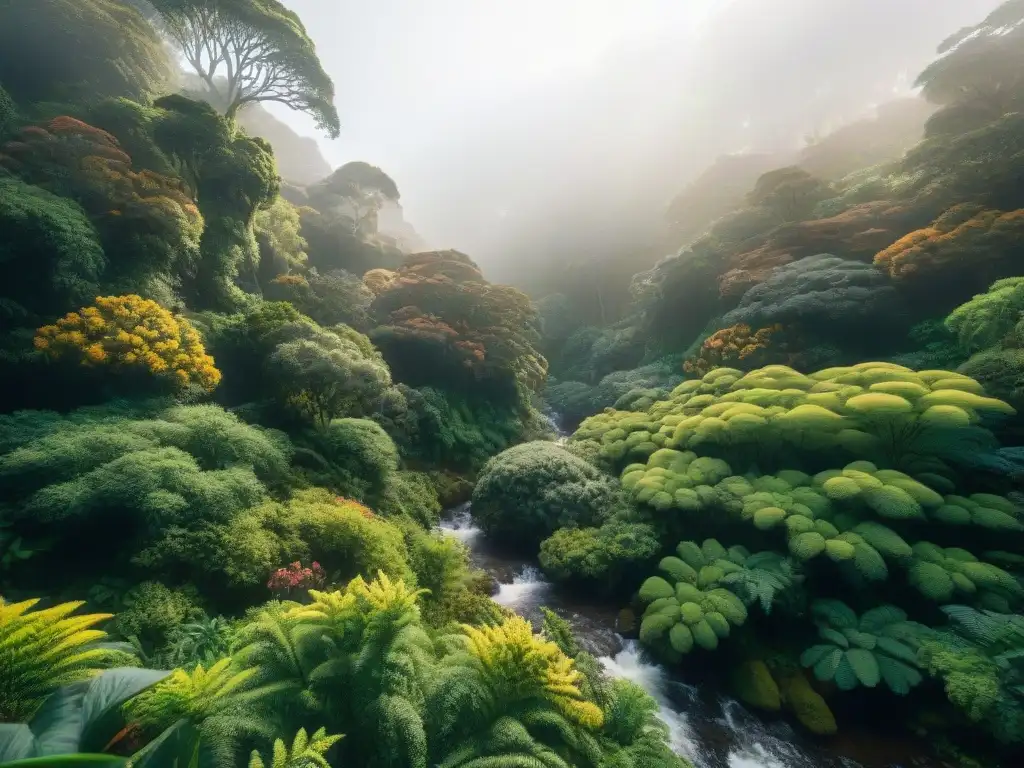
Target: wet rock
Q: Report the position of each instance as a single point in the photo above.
(493, 585)
(625, 622)
(484, 583)
(600, 644)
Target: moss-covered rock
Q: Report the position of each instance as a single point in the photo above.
(754, 685)
(807, 704)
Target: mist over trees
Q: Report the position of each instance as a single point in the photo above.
(731, 368)
(582, 170)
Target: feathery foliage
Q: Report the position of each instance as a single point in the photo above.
(41, 650)
(305, 752)
(980, 661)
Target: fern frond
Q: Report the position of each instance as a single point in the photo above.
(558, 631)
(880, 646)
(986, 628)
(520, 665)
(43, 650)
(305, 752)
(283, 650)
(193, 696)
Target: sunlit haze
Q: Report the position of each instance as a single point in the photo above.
(505, 123)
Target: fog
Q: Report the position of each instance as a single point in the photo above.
(532, 132)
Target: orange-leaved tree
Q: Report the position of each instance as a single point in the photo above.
(441, 323)
(739, 346)
(148, 224)
(130, 332)
(969, 245)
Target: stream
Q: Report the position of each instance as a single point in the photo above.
(709, 729)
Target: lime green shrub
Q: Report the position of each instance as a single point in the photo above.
(353, 457)
(604, 557)
(774, 416)
(701, 596)
(855, 482)
(906, 432)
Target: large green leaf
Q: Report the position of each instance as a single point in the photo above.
(677, 570)
(16, 742)
(76, 718)
(814, 654)
(896, 649)
(898, 676)
(834, 636)
(880, 616)
(53, 761)
(656, 587)
(835, 613)
(826, 667)
(861, 639)
(845, 676)
(58, 723)
(101, 708)
(865, 666)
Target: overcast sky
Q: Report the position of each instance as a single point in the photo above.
(491, 113)
(406, 70)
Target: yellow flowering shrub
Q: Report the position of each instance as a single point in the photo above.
(130, 331)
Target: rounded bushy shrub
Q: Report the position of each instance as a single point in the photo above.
(605, 557)
(151, 610)
(530, 491)
(827, 298)
(354, 457)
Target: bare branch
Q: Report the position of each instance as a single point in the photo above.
(247, 52)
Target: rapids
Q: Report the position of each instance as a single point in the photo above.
(709, 729)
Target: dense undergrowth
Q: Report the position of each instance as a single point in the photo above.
(233, 412)
(215, 397)
(836, 539)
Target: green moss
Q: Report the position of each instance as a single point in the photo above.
(807, 704)
(753, 684)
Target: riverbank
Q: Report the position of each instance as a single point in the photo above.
(710, 729)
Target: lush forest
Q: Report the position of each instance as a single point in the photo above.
(235, 406)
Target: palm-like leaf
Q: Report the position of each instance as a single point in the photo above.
(305, 752)
(43, 650)
(880, 646)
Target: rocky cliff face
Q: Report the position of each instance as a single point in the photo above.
(299, 160)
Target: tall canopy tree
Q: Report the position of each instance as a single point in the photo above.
(354, 192)
(248, 51)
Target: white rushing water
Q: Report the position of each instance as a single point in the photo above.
(459, 525)
(527, 590)
(722, 736)
(751, 743)
(627, 664)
